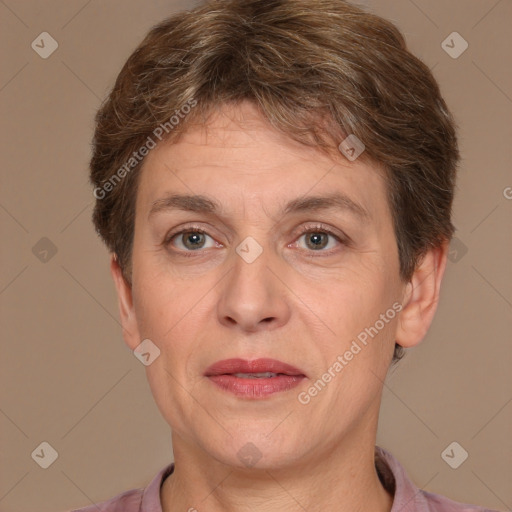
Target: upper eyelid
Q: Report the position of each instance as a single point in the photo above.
(305, 227)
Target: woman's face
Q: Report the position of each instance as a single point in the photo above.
(257, 285)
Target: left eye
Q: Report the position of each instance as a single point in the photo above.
(318, 239)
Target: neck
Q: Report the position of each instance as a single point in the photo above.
(342, 478)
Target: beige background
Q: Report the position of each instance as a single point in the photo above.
(67, 377)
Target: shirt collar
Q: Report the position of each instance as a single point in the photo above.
(406, 496)
(151, 497)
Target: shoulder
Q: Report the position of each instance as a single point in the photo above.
(128, 501)
(406, 495)
(135, 500)
(439, 503)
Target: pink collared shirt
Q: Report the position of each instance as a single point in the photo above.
(406, 496)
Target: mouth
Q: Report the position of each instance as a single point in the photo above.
(254, 379)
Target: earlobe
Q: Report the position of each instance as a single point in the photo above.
(421, 297)
(125, 303)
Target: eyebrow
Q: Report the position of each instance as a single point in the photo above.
(204, 204)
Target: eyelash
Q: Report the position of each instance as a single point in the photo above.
(317, 228)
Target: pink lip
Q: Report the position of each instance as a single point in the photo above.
(221, 374)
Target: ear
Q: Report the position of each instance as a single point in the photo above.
(125, 301)
(421, 297)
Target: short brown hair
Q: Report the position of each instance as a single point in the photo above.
(318, 70)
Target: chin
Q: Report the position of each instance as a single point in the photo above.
(256, 447)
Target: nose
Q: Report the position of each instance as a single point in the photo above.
(252, 296)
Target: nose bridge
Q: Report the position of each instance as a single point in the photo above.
(251, 295)
(250, 276)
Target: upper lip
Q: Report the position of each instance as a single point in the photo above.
(229, 366)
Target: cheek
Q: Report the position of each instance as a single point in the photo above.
(170, 311)
(160, 298)
(165, 315)
(348, 312)
(162, 311)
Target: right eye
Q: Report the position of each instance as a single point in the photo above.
(191, 239)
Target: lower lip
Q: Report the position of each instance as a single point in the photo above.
(256, 388)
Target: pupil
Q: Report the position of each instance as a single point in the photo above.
(317, 237)
(197, 237)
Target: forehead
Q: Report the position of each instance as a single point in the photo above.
(238, 156)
